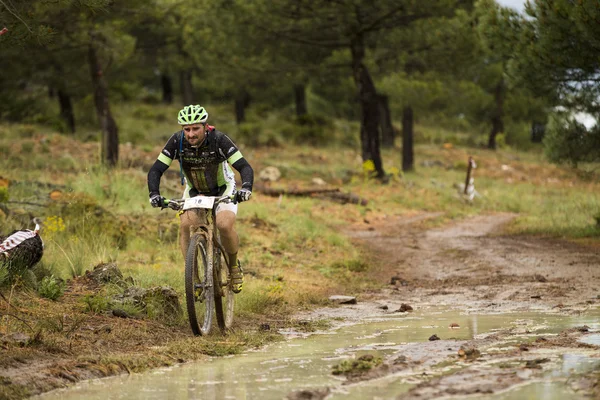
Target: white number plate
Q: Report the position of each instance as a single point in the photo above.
(199, 202)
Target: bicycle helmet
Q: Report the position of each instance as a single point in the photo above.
(192, 114)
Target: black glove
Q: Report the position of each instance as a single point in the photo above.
(157, 201)
(243, 195)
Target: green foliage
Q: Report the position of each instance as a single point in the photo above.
(51, 287)
(357, 367)
(567, 140)
(354, 265)
(96, 303)
(4, 196)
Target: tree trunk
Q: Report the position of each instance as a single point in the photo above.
(242, 100)
(497, 115)
(537, 132)
(369, 105)
(385, 120)
(300, 98)
(240, 111)
(66, 109)
(408, 162)
(110, 131)
(187, 91)
(167, 88)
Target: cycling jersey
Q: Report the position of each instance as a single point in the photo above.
(205, 167)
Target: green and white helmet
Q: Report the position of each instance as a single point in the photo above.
(192, 114)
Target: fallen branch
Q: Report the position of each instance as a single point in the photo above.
(344, 198)
(295, 192)
(333, 194)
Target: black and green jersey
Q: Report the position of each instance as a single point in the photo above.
(206, 167)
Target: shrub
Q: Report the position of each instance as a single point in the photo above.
(567, 140)
(96, 304)
(51, 287)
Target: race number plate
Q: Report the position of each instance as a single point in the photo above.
(199, 202)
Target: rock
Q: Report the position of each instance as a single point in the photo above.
(270, 174)
(318, 182)
(167, 297)
(309, 394)
(470, 353)
(105, 273)
(158, 301)
(117, 312)
(433, 337)
(583, 328)
(540, 278)
(339, 299)
(404, 308)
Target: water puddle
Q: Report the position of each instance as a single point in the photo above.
(306, 362)
(592, 339)
(539, 391)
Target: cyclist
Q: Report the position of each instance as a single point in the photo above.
(204, 155)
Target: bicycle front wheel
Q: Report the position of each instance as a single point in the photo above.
(199, 288)
(223, 291)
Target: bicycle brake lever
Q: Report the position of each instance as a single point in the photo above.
(174, 206)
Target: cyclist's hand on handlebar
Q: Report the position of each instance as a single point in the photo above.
(174, 205)
(157, 201)
(243, 195)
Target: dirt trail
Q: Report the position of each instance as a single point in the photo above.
(471, 267)
(471, 263)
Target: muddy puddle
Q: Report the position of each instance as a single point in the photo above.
(305, 361)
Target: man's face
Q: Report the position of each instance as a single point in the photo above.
(194, 133)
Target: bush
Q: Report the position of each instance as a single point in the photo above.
(567, 140)
(96, 304)
(51, 287)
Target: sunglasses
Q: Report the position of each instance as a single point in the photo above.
(192, 128)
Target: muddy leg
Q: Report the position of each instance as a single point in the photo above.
(190, 219)
(229, 237)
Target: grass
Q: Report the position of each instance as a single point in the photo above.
(107, 217)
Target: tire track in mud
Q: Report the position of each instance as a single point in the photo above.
(472, 263)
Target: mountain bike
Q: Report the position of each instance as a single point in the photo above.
(207, 280)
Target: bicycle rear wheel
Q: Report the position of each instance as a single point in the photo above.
(199, 288)
(223, 291)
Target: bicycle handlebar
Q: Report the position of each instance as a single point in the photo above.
(177, 204)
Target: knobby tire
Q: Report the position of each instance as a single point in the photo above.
(198, 271)
(224, 314)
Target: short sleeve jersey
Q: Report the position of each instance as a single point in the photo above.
(206, 167)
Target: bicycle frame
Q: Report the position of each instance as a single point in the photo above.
(205, 246)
